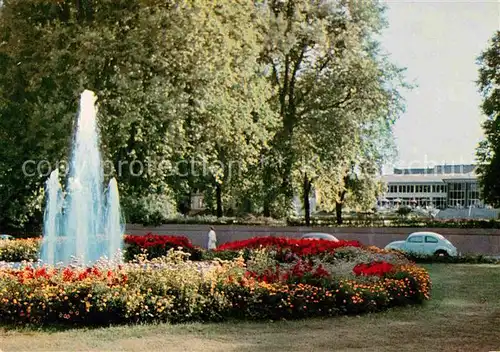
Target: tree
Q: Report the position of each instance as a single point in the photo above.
(330, 82)
(488, 152)
(228, 120)
(187, 89)
(336, 92)
(176, 81)
(52, 52)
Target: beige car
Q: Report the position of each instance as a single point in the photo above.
(319, 236)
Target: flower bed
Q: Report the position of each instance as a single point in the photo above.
(150, 245)
(298, 246)
(346, 280)
(289, 247)
(154, 246)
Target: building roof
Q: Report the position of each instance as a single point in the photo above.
(437, 170)
(412, 179)
(435, 179)
(437, 175)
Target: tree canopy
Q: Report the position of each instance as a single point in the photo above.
(488, 152)
(248, 102)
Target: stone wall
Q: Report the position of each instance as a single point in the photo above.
(484, 241)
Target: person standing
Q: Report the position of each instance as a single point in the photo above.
(212, 239)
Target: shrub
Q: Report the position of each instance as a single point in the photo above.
(403, 211)
(224, 255)
(19, 250)
(462, 259)
(151, 209)
(154, 246)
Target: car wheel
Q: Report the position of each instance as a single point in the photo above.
(441, 253)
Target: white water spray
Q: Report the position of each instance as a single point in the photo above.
(82, 226)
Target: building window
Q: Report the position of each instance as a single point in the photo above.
(473, 194)
(440, 202)
(456, 194)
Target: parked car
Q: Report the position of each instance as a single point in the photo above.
(427, 243)
(6, 237)
(319, 236)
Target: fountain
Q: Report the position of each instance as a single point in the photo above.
(84, 224)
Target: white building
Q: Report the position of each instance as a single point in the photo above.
(443, 186)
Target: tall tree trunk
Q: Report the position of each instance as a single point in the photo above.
(267, 208)
(218, 195)
(307, 205)
(338, 213)
(269, 189)
(338, 208)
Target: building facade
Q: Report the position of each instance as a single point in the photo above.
(443, 186)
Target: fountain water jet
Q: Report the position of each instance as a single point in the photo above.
(82, 226)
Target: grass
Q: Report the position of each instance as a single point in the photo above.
(463, 315)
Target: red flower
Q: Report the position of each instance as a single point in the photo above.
(151, 240)
(321, 272)
(373, 269)
(42, 273)
(67, 274)
(295, 273)
(300, 247)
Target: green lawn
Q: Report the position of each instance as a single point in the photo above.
(463, 315)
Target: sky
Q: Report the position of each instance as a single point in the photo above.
(438, 42)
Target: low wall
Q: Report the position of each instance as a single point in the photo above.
(484, 241)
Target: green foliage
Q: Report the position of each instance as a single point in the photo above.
(337, 95)
(175, 81)
(224, 255)
(236, 99)
(19, 250)
(462, 259)
(152, 209)
(403, 211)
(374, 221)
(488, 152)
